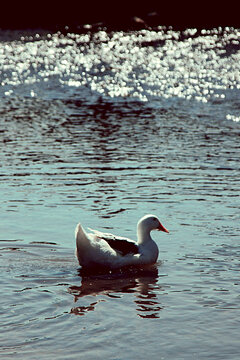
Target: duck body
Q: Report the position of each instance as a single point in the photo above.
(97, 249)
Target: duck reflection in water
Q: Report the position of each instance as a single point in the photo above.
(143, 282)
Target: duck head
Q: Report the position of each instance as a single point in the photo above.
(146, 224)
(151, 222)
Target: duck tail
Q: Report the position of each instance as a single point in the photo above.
(82, 242)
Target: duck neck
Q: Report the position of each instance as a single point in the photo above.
(143, 234)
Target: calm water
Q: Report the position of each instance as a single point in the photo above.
(103, 129)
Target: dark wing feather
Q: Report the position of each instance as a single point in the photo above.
(122, 245)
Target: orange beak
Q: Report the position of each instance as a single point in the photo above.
(162, 228)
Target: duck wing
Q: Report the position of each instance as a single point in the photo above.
(122, 245)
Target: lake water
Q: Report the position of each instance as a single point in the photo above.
(104, 128)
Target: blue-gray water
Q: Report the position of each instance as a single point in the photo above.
(102, 129)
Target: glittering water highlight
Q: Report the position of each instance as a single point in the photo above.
(193, 64)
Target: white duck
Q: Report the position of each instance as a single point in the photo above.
(99, 249)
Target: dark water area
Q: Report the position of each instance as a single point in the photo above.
(103, 128)
(79, 16)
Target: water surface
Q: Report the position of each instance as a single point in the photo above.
(104, 128)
